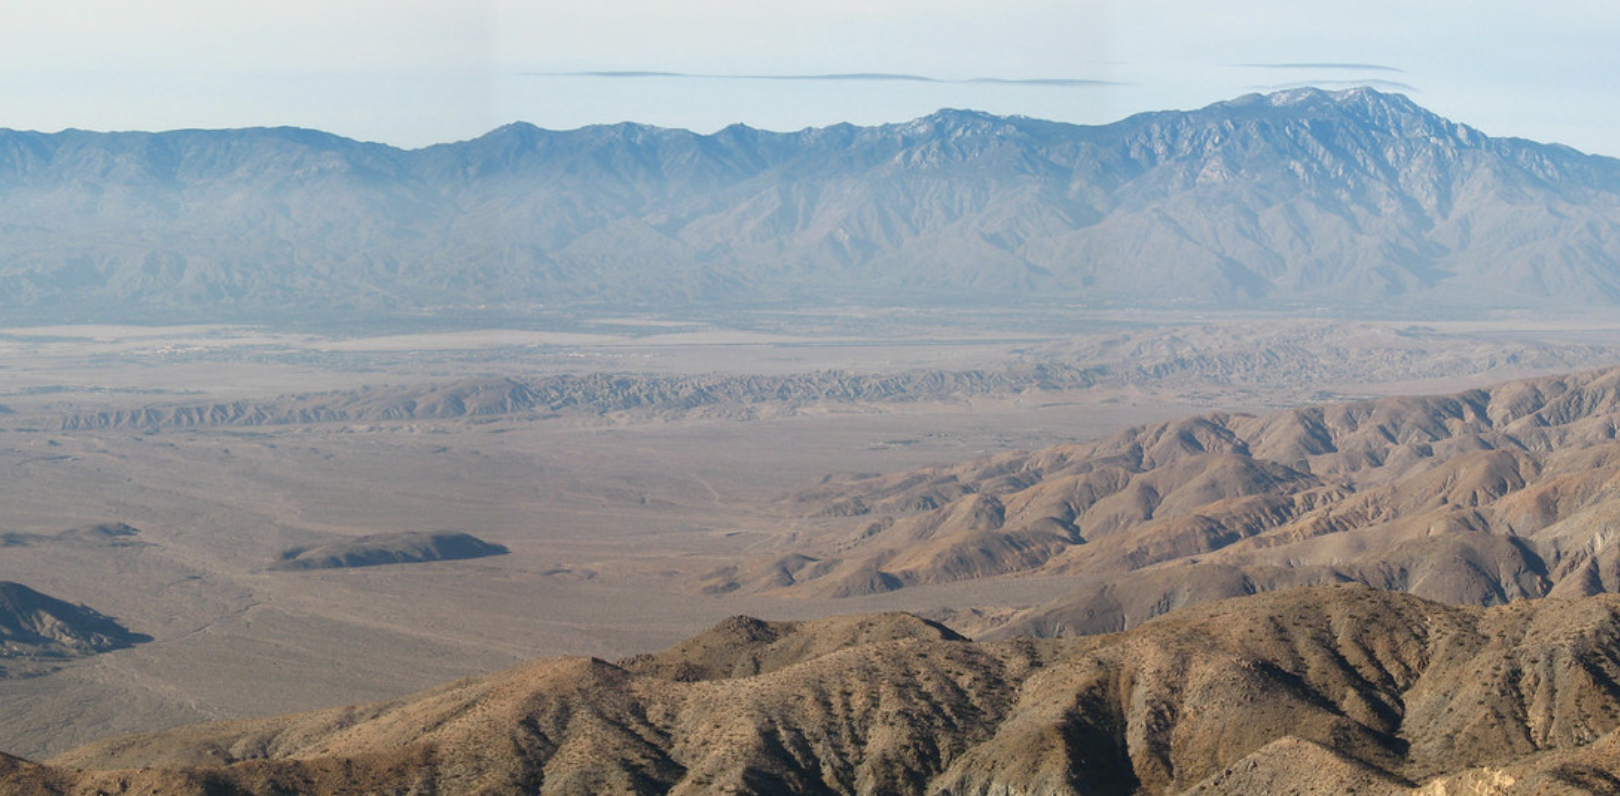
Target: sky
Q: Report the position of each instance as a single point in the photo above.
(416, 72)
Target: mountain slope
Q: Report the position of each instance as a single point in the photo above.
(1353, 197)
(1300, 691)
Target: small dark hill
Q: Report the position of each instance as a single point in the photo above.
(106, 534)
(35, 625)
(388, 548)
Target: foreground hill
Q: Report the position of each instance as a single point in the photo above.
(1353, 197)
(1326, 690)
(1477, 498)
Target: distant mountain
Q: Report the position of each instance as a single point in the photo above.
(1347, 198)
(1325, 691)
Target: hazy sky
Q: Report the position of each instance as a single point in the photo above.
(415, 72)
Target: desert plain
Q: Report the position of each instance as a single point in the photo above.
(612, 512)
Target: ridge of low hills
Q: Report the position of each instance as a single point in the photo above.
(1298, 691)
(116, 534)
(588, 394)
(1289, 361)
(1481, 497)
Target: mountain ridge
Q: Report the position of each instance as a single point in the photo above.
(1353, 198)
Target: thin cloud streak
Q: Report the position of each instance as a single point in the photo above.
(1392, 85)
(881, 77)
(609, 74)
(1346, 67)
(1050, 81)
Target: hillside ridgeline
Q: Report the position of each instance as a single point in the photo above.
(1323, 690)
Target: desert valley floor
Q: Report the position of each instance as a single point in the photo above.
(221, 448)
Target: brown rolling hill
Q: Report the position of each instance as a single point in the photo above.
(1324, 690)
(1477, 498)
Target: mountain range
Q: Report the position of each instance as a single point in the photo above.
(1352, 199)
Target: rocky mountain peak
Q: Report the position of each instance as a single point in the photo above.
(956, 122)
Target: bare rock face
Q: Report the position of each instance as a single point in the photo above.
(1319, 690)
(388, 548)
